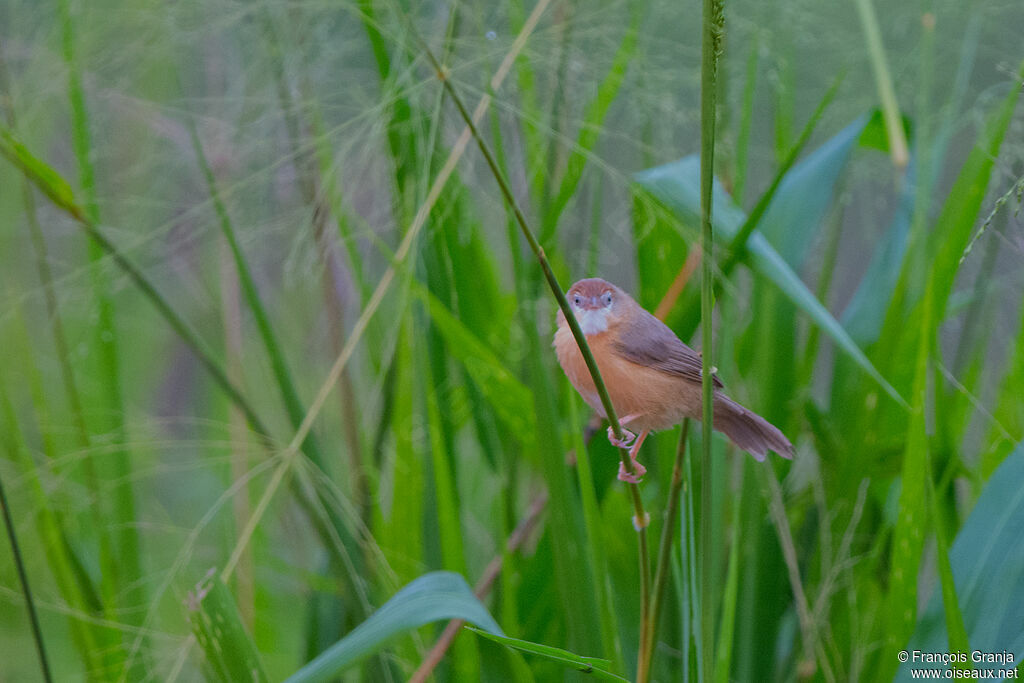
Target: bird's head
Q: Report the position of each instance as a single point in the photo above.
(596, 304)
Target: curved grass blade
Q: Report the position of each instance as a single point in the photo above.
(432, 597)
(588, 665)
(285, 384)
(26, 589)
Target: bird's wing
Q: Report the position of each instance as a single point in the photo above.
(652, 344)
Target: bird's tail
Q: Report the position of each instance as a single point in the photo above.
(748, 430)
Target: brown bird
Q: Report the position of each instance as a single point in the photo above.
(653, 378)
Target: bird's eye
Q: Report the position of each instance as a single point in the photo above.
(607, 298)
(576, 300)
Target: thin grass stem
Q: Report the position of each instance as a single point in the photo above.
(711, 41)
(26, 589)
(662, 567)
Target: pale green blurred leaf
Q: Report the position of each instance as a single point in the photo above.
(988, 568)
(431, 597)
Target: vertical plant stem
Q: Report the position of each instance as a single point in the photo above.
(37, 631)
(713, 27)
(662, 568)
(886, 91)
(727, 628)
(595, 545)
(231, 313)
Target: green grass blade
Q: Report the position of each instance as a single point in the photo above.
(723, 652)
(908, 535)
(217, 625)
(587, 665)
(595, 544)
(959, 213)
(792, 206)
(746, 121)
(432, 597)
(51, 183)
(123, 568)
(591, 127)
(713, 21)
(26, 588)
(864, 315)
(509, 397)
(955, 628)
(285, 384)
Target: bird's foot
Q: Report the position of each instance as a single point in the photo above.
(625, 442)
(638, 472)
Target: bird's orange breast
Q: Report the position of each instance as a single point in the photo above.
(658, 400)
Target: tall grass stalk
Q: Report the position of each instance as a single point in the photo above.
(883, 79)
(713, 23)
(662, 568)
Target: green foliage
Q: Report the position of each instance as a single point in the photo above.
(264, 305)
(229, 650)
(588, 665)
(431, 597)
(987, 565)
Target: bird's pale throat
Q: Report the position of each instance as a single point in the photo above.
(592, 320)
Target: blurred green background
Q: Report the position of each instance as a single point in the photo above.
(270, 169)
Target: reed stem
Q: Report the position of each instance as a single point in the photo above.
(711, 41)
(662, 568)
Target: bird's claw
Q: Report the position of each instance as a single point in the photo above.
(638, 472)
(626, 441)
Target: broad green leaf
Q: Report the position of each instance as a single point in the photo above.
(509, 397)
(676, 185)
(988, 568)
(805, 194)
(864, 315)
(432, 597)
(230, 652)
(588, 665)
